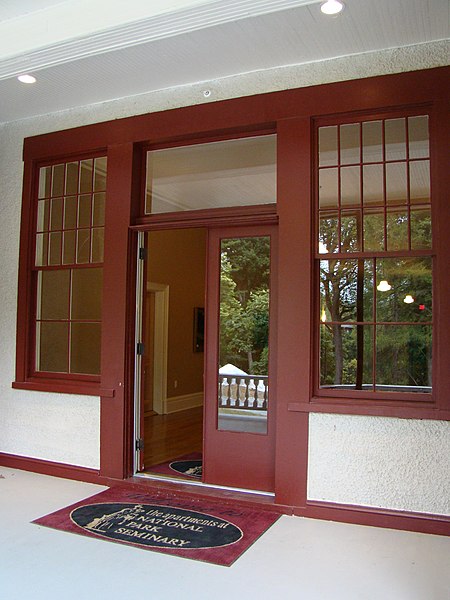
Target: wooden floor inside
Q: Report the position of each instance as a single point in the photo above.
(170, 436)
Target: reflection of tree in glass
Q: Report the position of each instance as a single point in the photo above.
(244, 303)
(403, 352)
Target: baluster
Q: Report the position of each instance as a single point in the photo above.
(264, 404)
(220, 390)
(246, 383)
(229, 395)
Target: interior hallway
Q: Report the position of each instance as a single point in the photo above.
(295, 559)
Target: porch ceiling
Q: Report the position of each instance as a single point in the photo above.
(86, 52)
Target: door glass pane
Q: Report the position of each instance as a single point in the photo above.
(243, 394)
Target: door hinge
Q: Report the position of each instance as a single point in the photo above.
(140, 444)
(140, 349)
(142, 253)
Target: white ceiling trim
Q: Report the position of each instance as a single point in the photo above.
(144, 31)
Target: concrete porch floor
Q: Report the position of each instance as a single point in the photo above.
(296, 558)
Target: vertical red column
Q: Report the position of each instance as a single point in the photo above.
(117, 325)
(294, 308)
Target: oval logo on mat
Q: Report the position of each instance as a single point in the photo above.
(156, 526)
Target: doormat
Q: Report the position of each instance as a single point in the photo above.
(199, 529)
(188, 465)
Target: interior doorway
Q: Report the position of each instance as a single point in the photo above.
(172, 354)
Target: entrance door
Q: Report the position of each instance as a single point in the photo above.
(239, 370)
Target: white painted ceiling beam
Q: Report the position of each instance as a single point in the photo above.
(78, 29)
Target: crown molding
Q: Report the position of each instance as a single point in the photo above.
(142, 32)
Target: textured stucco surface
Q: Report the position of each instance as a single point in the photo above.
(65, 428)
(398, 464)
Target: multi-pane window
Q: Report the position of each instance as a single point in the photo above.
(373, 254)
(68, 266)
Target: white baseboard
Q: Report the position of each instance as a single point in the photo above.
(178, 403)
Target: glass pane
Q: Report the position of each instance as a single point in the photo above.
(100, 174)
(87, 294)
(41, 249)
(98, 215)
(346, 356)
(350, 144)
(85, 343)
(409, 298)
(372, 132)
(98, 242)
(72, 178)
(84, 211)
(83, 246)
(86, 176)
(395, 139)
(56, 217)
(421, 234)
(218, 174)
(52, 347)
(69, 247)
(419, 181)
(244, 334)
(396, 183)
(373, 230)
(328, 154)
(397, 229)
(418, 137)
(373, 184)
(350, 231)
(70, 212)
(53, 295)
(403, 358)
(346, 290)
(45, 179)
(328, 188)
(43, 215)
(350, 186)
(55, 253)
(58, 180)
(328, 232)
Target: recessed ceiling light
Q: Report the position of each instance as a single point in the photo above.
(331, 7)
(26, 79)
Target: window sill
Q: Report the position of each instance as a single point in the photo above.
(64, 387)
(376, 409)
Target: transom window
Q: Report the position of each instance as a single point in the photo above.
(373, 255)
(70, 222)
(239, 172)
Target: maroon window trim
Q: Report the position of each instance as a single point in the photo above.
(27, 377)
(292, 114)
(402, 404)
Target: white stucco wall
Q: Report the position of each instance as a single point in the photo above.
(397, 464)
(65, 428)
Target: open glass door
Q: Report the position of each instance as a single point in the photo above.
(239, 393)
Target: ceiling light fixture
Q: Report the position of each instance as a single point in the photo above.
(332, 7)
(26, 79)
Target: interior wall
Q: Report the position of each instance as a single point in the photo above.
(177, 258)
(65, 428)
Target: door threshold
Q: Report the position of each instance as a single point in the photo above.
(200, 484)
